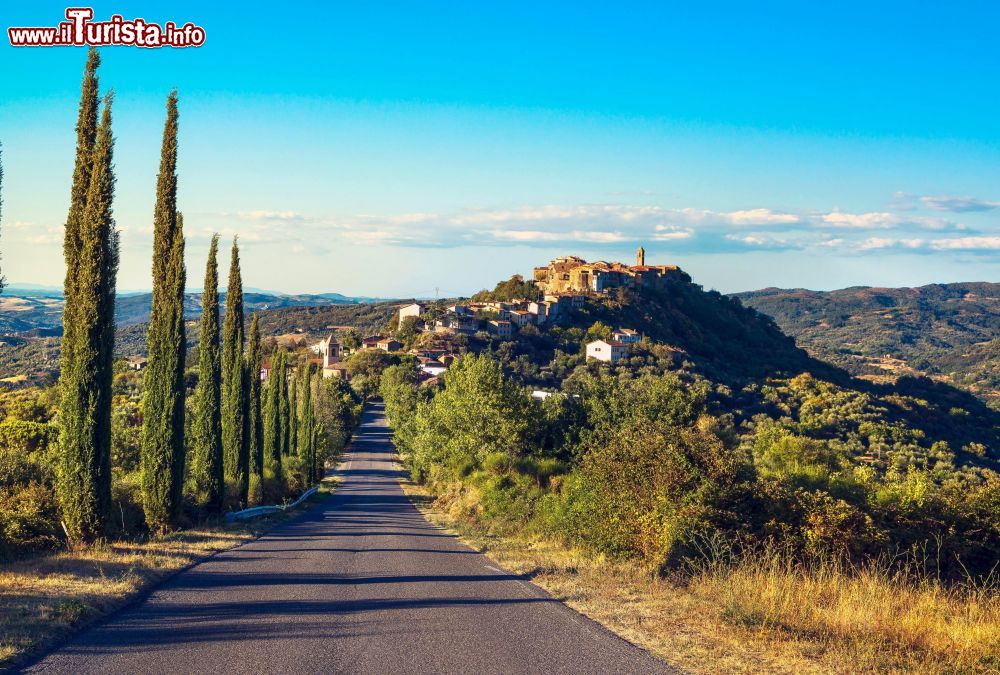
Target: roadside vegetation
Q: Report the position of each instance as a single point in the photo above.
(813, 523)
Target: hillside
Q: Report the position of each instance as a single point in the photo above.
(34, 359)
(948, 331)
(752, 368)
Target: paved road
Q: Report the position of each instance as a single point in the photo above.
(361, 584)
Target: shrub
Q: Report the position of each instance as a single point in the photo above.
(28, 519)
(650, 491)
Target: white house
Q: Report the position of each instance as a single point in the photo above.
(611, 351)
(461, 310)
(416, 310)
(626, 336)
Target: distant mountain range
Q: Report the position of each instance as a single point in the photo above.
(947, 331)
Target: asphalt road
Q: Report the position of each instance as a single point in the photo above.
(362, 584)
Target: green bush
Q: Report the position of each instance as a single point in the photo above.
(508, 500)
(28, 519)
(649, 492)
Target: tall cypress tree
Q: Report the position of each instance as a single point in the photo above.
(293, 413)
(255, 414)
(314, 381)
(304, 433)
(83, 501)
(285, 410)
(163, 404)
(90, 248)
(317, 435)
(272, 414)
(234, 390)
(208, 454)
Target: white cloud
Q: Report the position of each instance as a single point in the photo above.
(884, 220)
(283, 216)
(969, 244)
(861, 221)
(958, 204)
(671, 232)
(763, 240)
(762, 217)
(985, 243)
(879, 243)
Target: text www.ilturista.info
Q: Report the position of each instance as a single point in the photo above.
(79, 30)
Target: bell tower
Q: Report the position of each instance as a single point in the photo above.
(640, 257)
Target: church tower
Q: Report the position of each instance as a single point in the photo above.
(640, 257)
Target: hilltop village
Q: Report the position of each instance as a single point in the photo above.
(554, 292)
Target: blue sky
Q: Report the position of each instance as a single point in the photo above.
(396, 148)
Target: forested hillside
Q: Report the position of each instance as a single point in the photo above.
(948, 331)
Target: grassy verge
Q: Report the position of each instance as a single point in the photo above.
(755, 615)
(46, 598)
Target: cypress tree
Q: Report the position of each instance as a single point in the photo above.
(163, 403)
(91, 250)
(255, 418)
(304, 433)
(272, 414)
(83, 502)
(234, 390)
(208, 454)
(293, 413)
(317, 435)
(285, 410)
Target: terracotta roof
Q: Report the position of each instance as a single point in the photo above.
(610, 343)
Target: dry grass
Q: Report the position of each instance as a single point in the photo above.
(46, 598)
(758, 614)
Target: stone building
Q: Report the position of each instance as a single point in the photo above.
(571, 274)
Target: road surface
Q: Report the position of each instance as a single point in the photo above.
(360, 584)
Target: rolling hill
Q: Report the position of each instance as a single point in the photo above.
(950, 332)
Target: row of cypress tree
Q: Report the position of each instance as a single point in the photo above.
(239, 430)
